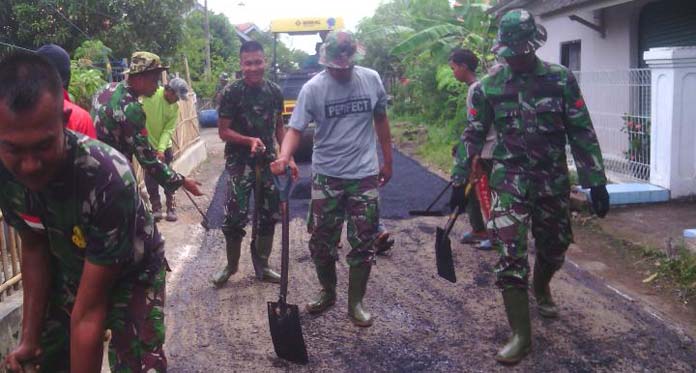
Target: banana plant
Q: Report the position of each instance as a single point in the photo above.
(470, 27)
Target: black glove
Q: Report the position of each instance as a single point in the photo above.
(600, 200)
(458, 197)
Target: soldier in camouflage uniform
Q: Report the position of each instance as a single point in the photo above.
(92, 256)
(534, 106)
(250, 116)
(120, 120)
(343, 100)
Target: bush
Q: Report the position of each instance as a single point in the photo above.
(84, 83)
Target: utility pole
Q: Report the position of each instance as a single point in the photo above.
(207, 40)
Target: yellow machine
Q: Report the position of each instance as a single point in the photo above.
(291, 82)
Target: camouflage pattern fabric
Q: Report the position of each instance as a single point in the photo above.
(241, 181)
(253, 111)
(334, 200)
(518, 34)
(120, 122)
(92, 212)
(340, 50)
(142, 62)
(549, 217)
(535, 115)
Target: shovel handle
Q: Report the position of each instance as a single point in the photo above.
(204, 223)
(438, 196)
(455, 214)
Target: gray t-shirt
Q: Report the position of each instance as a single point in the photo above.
(345, 142)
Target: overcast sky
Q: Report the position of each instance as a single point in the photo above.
(261, 12)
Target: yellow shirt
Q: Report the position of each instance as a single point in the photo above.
(160, 120)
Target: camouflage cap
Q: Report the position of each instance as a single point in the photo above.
(179, 86)
(142, 62)
(340, 50)
(518, 34)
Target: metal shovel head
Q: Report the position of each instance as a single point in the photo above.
(443, 256)
(426, 213)
(286, 332)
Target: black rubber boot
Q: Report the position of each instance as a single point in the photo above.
(233, 247)
(357, 286)
(327, 296)
(264, 245)
(542, 292)
(517, 310)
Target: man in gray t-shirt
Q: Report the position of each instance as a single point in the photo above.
(343, 101)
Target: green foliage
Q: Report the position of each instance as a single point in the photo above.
(84, 83)
(224, 51)
(678, 266)
(124, 25)
(411, 56)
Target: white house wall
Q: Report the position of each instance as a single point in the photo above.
(605, 77)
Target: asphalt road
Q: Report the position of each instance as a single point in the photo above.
(423, 323)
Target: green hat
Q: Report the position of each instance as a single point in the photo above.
(518, 34)
(142, 62)
(340, 50)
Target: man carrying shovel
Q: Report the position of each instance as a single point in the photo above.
(343, 101)
(250, 116)
(536, 108)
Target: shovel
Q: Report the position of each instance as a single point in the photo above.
(284, 318)
(443, 246)
(255, 260)
(427, 211)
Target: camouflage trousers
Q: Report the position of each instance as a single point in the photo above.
(511, 219)
(136, 320)
(334, 200)
(241, 182)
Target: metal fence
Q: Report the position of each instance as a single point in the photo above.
(619, 104)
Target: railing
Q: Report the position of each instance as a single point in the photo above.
(10, 258)
(619, 104)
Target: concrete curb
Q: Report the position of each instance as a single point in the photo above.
(191, 158)
(10, 323)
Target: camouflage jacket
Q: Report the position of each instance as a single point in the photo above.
(120, 122)
(92, 211)
(254, 111)
(534, 115)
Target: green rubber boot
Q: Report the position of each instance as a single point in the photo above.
(542, 292)
(327, 296)
(264, 245)
(520, 343)
(233, 247)
(357, 286)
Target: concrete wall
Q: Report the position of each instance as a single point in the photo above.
(616, 51)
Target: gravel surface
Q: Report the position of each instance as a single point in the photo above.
(423, 323)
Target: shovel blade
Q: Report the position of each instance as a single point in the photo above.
(443, 256)
(426, 213)
(286, 332)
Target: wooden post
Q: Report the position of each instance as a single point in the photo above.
(188, 73)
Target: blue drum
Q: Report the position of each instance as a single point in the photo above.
(208, 118)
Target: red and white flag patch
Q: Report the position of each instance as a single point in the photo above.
(33, 222)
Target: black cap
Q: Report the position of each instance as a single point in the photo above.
(59, 58)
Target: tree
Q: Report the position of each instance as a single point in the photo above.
(124, 25)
